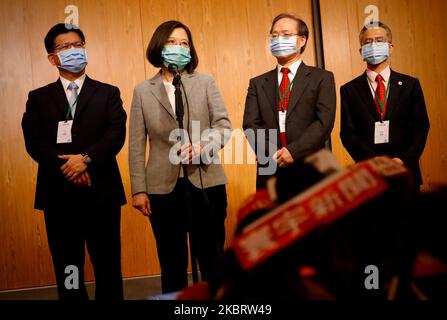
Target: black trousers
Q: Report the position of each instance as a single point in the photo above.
(169, 220)
(69, 228)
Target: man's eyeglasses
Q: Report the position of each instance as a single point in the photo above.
(284, 36)
(68, 45)
(380, 41)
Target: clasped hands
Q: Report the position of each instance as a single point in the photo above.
(75, 170)
(188, 152)
(283, 157)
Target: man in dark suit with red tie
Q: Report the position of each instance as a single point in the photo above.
(383, 112)
(73, 129)
(291, 109)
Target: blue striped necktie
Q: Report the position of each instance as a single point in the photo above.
(73, 87)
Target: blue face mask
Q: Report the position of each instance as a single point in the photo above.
(177, 55)
(73, 59)
(375, 54)
(282, 47)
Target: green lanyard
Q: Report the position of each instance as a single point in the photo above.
(70, 108)
(282, 97)
(381, 104)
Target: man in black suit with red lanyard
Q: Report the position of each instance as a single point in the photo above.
(383, 112)
(73, 129)
(294, 100)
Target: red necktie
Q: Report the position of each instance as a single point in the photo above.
(380, 92)
(285, 83)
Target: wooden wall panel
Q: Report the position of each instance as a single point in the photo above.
(231, 39)
(24, 258)
(420, 51)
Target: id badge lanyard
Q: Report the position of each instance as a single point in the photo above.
(282, 97)
(70, 108)
(381, 105)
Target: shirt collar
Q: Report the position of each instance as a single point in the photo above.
(79, 81)
(386, 73)
(293, 68)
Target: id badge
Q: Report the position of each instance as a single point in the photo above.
(64, 131)
(381, 132)
(282, 121)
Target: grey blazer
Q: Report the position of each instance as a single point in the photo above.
(152, 116)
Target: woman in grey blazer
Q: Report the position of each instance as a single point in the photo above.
(158, 184)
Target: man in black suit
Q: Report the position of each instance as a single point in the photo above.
(295, 103)
(73, 129)
(383, 112)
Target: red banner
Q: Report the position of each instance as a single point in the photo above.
(325, 202)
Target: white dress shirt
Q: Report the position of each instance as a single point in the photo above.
(293, 70)
(386, 73)
(170, 91)
(65, 83)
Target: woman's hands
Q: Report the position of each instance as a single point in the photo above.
(141, 202)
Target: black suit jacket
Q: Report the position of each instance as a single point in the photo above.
(310, 113)
(99, 130)
(406, 112)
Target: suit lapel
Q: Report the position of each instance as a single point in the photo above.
(88, 88)
(270, 86)
(394, 94)
(300, 82)
(60, 98)
(365, 92)
(159, 91)
(189, 81)
(188, 84)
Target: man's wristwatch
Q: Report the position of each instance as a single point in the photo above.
(87, 160)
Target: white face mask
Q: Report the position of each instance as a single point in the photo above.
(73, 60)
(375, 53)
(283, 46)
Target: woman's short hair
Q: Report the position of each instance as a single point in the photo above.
(158, 41)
